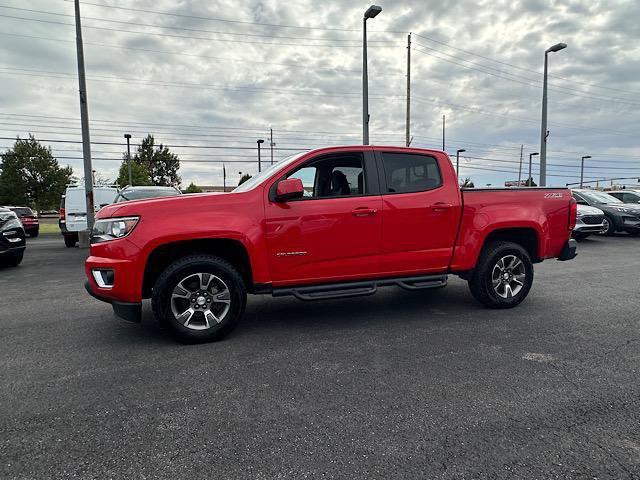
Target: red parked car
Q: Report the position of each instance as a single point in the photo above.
(330, 223)
(29, 220)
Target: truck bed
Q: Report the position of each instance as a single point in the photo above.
(523, 211)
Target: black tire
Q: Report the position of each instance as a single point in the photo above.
(223, 274)
(481, 281)
(610, 227)
(15, 259)
(69, 241)
(34, 233)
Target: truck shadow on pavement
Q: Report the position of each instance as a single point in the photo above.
(391, 306)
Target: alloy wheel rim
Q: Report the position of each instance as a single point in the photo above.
(200, 301)
(605, 226)
(508, 276)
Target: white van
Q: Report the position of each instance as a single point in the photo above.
(73, 210)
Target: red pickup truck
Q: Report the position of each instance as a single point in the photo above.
(331, 223)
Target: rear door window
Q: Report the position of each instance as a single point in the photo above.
(408, 172)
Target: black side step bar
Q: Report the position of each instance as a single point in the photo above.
(358, 289)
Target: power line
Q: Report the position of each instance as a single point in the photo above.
(186, 54)
(522, 68)
(355, 45)
(217, 19)
(506, 76)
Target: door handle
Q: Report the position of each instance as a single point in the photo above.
(441, 207)
(363, 212)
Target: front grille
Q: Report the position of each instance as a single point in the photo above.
(592, 220)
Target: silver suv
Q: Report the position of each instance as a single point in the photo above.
(589, 220)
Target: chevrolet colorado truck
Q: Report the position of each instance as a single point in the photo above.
(331, 223)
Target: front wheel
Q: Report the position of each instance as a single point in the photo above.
(503, 276)
(200, 298)
(608, 227)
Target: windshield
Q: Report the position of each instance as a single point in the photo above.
(599, 197)
(255, 180)
(137, 194)
(22, 211)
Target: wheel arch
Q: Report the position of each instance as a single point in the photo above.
(527, 237)
(231, 250)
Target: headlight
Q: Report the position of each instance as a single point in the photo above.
(112, 228)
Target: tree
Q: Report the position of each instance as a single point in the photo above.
(244, 178)
(530, 182)
(193, 188)
(139, 174)
(161, 164)
(30, 175)
(468, 183)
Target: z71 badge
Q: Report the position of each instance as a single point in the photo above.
(553, 195)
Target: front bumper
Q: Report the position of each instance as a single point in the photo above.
(130, 311)
(12, 241)
(569, 251)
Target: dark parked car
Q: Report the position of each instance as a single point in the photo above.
(618, 216)
(12, 238)
(627, 196)
(29, 220)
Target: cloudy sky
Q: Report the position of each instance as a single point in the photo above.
(208, 78)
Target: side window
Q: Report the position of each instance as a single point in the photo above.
(333, 176)
(407, 172)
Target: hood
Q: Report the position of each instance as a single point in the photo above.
(187, 202)
(587, 210)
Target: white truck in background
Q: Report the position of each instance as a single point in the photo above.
(73, 210)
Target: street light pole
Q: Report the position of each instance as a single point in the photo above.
(128, 137)
(582, 169)
(259, 142)
(458, 152)
(371, 12)
(530, 180)
(543, 130)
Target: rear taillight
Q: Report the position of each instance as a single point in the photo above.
(573, 212)
(62, 213)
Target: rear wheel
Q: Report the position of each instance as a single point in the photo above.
(34, 233)
(69, 241)
(200, 298)
(503, 276)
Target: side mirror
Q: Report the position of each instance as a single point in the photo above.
(289, 189)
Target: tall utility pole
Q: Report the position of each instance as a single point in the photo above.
(128, 137)
(408, 120)
(520, 169)
(271, 144)
(443, 133)
(84, 120)
(543, 129)
(582, 168)
(371, 12)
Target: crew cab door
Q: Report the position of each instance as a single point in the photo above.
(333, 233)
(421, 208)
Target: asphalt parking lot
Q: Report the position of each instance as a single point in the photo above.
(398, 385)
